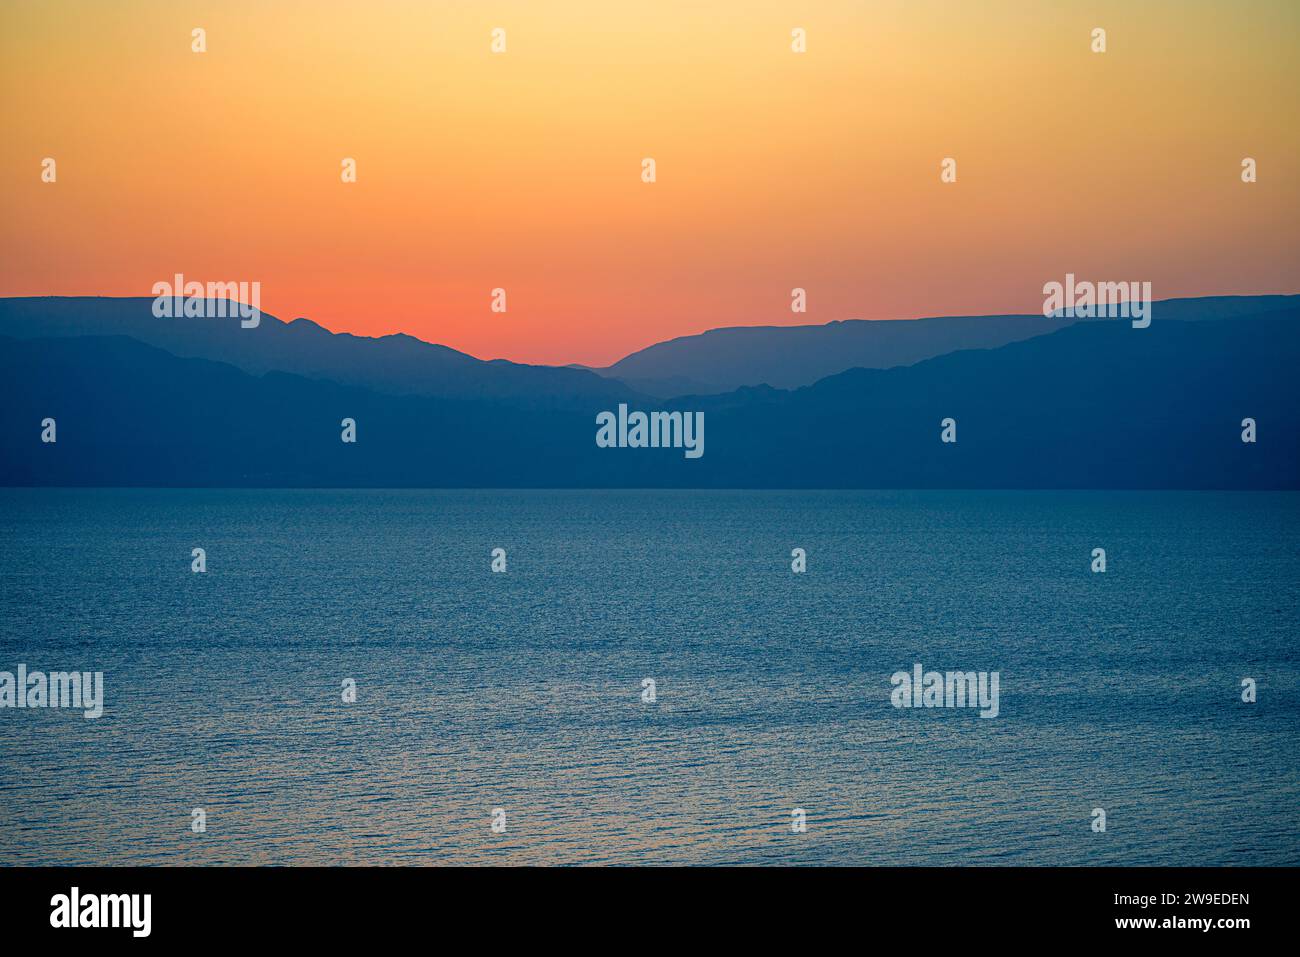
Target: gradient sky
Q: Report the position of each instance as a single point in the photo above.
(522, 170)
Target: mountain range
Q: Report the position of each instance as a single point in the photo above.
(1088, 404)
(396, 364)
(787, 357)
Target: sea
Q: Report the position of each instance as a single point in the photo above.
(648, 681)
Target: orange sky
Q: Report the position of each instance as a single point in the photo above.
(522, 170)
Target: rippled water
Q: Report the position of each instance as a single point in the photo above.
(523, 690)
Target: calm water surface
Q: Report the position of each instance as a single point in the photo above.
(523, 690)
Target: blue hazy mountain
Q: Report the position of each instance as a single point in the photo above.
(1092, 405)
(787, 357)
(396, 364)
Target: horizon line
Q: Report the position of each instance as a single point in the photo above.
(658, 342)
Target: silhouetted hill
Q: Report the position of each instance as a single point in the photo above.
(1095, 405)
(396, 364)
(791, 356)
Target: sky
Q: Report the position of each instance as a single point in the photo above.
(522, 170)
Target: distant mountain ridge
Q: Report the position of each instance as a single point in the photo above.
(714, 362)
(788, 357)
(396, 364)
(1093, 405)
